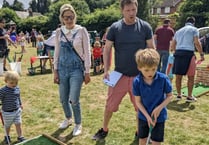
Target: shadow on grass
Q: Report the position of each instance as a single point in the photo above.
(100, 142)
(180, 107)
(33, 72)
(135, 142)
(64, 139)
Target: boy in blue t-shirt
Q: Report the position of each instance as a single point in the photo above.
(153, 91)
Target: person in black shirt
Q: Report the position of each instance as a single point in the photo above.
(4, 51)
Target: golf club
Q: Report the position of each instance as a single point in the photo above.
(150, 131)
(5, 131)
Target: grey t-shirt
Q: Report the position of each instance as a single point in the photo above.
(127, 40)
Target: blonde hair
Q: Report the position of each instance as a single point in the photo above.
(40, 38)
(147, 57)
(11, 76)
(97, 43)
(64, 8)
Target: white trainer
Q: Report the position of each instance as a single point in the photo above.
(77, 129)
(65, 123)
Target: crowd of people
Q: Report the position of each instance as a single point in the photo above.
(147, 61)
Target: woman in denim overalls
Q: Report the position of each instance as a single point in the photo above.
(69, 69)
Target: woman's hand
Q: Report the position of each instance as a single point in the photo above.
(87, 78)
(56, 77)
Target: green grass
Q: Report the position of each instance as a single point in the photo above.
(187, 123)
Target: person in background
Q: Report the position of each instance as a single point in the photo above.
(72, 62)
(153, 92)
(127, 35)
(33, 36)
(169, 69)
(13, 34)
(40, 45)
(186, 39)
(11, 105)
(163, 36)
(4, 39)
(97, 54)
(22, 42)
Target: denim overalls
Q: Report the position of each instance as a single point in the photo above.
(70, 70)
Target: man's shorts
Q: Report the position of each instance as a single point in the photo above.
(182, 61)
(12, 117)
(192, 67)
(116, 94)
(157, 132)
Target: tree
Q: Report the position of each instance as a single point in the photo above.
(17, 6)
(43, 6)
(5, 4)
(81, 8)
(33, 6)
(101, 4)
(198, 8)
(143, 9)
(9, 15)
(103, 17)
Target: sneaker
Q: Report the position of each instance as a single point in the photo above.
(178, 98)
(5, 69)
(7, 140)
(101, 134)
(21, 139)
(77, 130)
(191, 99)
(65, 123)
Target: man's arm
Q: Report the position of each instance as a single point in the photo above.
(107, 55)
(199, 47)
(150, 43)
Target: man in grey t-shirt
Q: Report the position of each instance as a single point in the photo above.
(127, 35)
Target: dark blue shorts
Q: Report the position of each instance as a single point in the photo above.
(97, 62)
(157, 132)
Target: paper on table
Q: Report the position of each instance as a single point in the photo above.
(113, 78)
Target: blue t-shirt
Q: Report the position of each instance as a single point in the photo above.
(185, 37)
(152, 95)
(127, 40)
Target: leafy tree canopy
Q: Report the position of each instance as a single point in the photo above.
(198, 8)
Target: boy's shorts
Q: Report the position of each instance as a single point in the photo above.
(157, 132)
(116, 94)
(12, 117)
(97, 62)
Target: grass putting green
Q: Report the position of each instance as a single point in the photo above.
(42, 140)
(198, 90)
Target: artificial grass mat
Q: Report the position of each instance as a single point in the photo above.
(198, 90)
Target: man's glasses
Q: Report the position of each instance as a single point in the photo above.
(2, 22)
(68, 17)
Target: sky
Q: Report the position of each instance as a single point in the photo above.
(25, 3)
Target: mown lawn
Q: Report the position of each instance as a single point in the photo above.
(42, 113)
